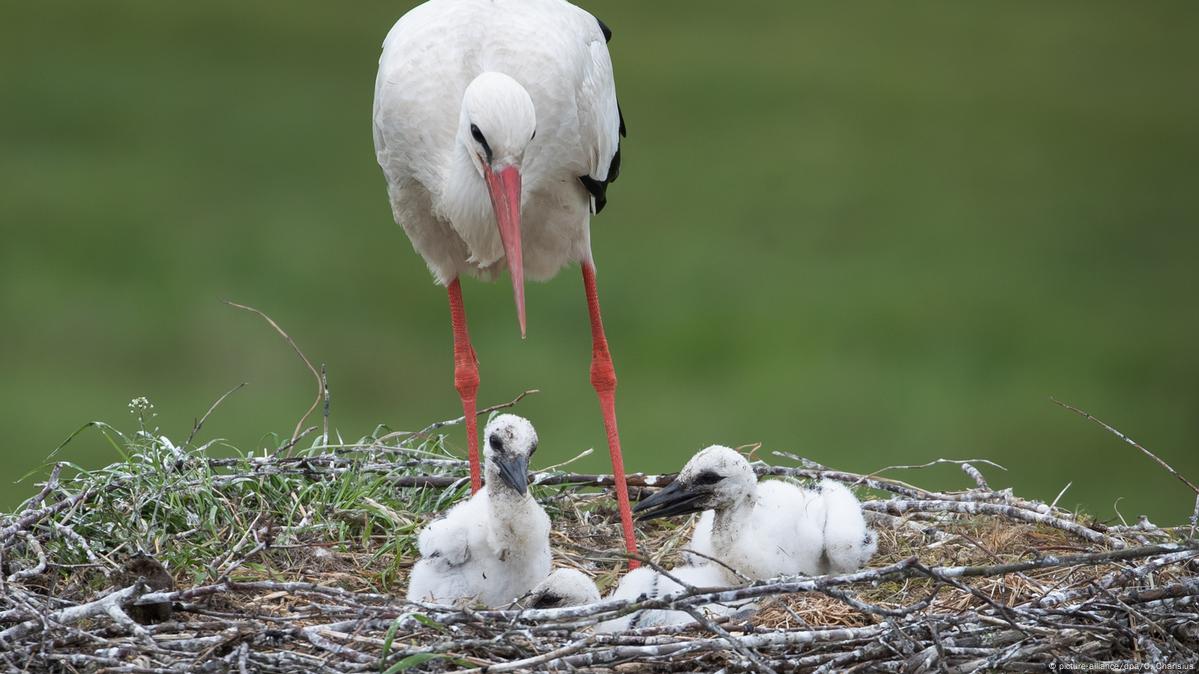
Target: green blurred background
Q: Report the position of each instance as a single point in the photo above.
(871, 234)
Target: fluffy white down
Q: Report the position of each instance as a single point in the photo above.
(774, 528)
(646, 583)
(565, 587)
(475, 555)
(492, 548)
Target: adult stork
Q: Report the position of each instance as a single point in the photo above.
(498, 130)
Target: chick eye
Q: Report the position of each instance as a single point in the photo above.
(534, 135)
(476, 133)
(708, 477)
(496, 443)
(533, 450)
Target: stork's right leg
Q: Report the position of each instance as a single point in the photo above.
(466, 380)
(603, 379)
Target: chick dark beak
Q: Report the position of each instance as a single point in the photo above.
(514, 471)
(676, 499)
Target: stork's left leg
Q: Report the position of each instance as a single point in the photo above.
(603, 378)
(466, 380)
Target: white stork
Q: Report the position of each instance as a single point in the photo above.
(498, 130)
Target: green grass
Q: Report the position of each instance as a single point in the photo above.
(872, 234)
(199, 507)
(210, 510)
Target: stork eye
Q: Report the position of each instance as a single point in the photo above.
(477, 134)
(496, 443)
(708, 477)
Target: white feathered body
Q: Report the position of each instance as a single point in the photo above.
(786, 530)
(485, 550)
(647, 583)
(565, 587)
(558, 53)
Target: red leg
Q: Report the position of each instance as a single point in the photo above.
(603, 378)
(466, 380)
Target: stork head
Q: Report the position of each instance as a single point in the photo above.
(511, 442)
(497, 124)
(562, 588)
(715, 478)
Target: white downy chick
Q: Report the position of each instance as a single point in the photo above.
(562, 588)
(766, 529)
(646, 583)
(494, 547)
(848, 542)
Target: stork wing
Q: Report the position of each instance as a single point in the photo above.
(601, 123)
(445, 540)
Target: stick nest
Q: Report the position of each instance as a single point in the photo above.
(297, 560)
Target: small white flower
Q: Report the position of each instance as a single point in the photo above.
(140, 405)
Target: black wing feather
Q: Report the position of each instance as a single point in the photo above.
(606, 30)
(599, 188)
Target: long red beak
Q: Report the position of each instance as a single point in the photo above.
(504, 188)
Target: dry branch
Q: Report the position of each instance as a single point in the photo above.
(320, 384)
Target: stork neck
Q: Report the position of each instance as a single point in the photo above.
(729, 522)
(470, 202)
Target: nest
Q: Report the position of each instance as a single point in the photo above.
(296, 560)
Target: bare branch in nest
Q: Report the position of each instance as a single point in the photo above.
(74, 614)
(1130, 441)
(963, 463)
(975, 475)
(29, 516)
(486, 410)
(327, 403)
(900, 507)
(320, 385)
(1194, 517)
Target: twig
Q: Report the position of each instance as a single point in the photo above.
(937, 462)
(548, 469)
(975, 475)
(76, 613)
(899, 507)
(1128, 440)
(746, 652)
(307, 363)
(325, 390)
(29, 517)
(1060, 494)
(1194, 518)
(200, 422)
(486, 410)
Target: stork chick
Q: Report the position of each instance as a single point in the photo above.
(766, 529)
(564, 587)
(495, 546)
(646, 583)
